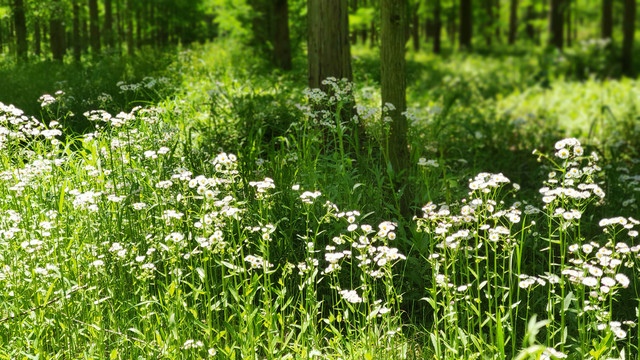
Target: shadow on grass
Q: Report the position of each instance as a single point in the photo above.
(88, 85)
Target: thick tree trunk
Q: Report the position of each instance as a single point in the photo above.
(466, 28)
(513, 21)
(77, 40)
(94, 28)
(393, 79)
(21, 29)
(628, 30)
(556, 25)
(107, 30)
(437, 26)
(57, 33)
(282, 40)
(329, 52)
(607, 19)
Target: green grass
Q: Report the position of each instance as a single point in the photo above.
(230, 219)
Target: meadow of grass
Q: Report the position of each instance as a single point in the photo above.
(228, 216)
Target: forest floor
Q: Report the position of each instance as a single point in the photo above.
(208, 208)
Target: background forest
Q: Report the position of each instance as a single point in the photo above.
(320, 179)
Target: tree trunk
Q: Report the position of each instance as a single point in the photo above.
(329, 52)
(489, 23)
(139, 36)
(281, 41)
(437, 26)
(107, 29)
(513, 21)
(94, 28)
(129, 15)
(57, 33)
(465, 24)
(1, 37)
(607, 19)
(556, 25)
(21, 29)
(531, 31)
(628, 30)
(568, 22)
(415, 31)
(372, 35)
(37, 40)
(77, 41)
(85, 35)
(393, 88)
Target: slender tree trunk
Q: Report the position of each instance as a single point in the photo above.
(21, 29)
(437, 26)
(329, 52)
(490, 21)
(556, 25)
(129, 15)
(607, 19)
(628, 30)
(513, 21)
(85, 35)
(94, 28)
(57, 33)
(531, 31)
(372, 35)
(119, 27)
(37, 40)
(415, 33)
(465, 24)
(77, 40)
(139, 36)
(282, 40)
(393, 84)
(1, 37)
(107, 29)
(568, 22)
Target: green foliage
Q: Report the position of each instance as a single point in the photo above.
(238, 215)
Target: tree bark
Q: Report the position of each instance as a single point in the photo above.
(77, 40)
(465, 24)
(568, 21)
(556, 25)
(21, 29)
(489, 21)
(437, 26)
(415, 31)
(107, 30)
(1, 37)
(57, 33)
(329, 52)
(37, 39)
(513, 21)
(393, 84)
(282, 40)
(607, 19)
(129, 15)
(628, 30)
(94, 28)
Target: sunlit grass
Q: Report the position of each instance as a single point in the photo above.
(237, 220)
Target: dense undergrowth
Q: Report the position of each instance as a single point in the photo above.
(234, 219)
